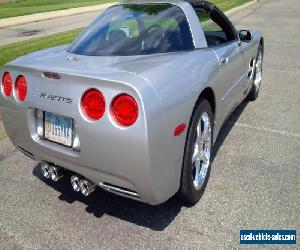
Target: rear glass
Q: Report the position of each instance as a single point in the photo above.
(135, 29)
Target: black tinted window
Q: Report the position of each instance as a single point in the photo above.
(136, 29)
(216, 27)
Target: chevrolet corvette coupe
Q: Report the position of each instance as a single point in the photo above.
(136, 102)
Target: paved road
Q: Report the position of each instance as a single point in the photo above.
(255, 179)
(48, 27)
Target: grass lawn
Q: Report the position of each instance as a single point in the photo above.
(12, 51)
(229, 4)
(26, 7)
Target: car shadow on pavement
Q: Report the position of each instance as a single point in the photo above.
(101, 202)
(227, 126)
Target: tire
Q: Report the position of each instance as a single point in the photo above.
(189, 192)
(257, 78)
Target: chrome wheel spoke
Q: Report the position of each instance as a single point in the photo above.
(199, 133)
(195, 153)
(252, 69)
(205, 158)
(203, 173)
(201, 153)
(205, 136)
(258, 70)
(197, 172)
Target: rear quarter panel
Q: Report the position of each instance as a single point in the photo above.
(177, 82)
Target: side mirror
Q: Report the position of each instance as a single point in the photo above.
(245, 36)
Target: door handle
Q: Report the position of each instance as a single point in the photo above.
(224, 60)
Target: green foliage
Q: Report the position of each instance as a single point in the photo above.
(26, 7)
(229, 4)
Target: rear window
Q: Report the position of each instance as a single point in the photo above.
(135, 29)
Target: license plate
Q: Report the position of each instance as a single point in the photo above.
(58, 129)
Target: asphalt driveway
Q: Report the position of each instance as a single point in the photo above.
(254, 184)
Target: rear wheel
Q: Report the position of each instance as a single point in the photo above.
(257, 79)
(197, 158)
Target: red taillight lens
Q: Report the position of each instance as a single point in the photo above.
(93, 104)
(21, 88)
(7, 84)
(125, 109)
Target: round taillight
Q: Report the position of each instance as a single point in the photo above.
(124, 109)
(93, 104)
(7, 84)
(21, 88)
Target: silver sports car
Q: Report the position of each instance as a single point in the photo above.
(136, 102)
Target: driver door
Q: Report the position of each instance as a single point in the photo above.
(232, 68)
(222, 38)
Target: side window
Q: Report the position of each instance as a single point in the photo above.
(216, 29)
(207, 23)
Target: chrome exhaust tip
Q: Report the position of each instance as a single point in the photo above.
(87, 187)
(56, 173)
(45, 170)
(75, 181)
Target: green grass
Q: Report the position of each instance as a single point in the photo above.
(26, 7)
(229, 4)
(12, 51)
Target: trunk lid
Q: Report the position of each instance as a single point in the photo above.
(59, 60)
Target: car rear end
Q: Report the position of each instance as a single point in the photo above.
(90, 109)
(57, 120)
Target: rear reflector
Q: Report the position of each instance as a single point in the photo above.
(179, 129)
(6, 84)
(93, 104)
(125, 110)
(21, 88)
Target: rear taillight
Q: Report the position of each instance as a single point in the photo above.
(93, 104)
(125, 110)
(6, 84)
(21, 88)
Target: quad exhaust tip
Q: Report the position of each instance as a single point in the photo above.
(79, 184)
(56, 173)
(84, 186)
(75, 181)
(51, 172)
(87, 187)
(45, 170)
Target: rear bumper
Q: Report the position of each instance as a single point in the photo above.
(108, 155)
